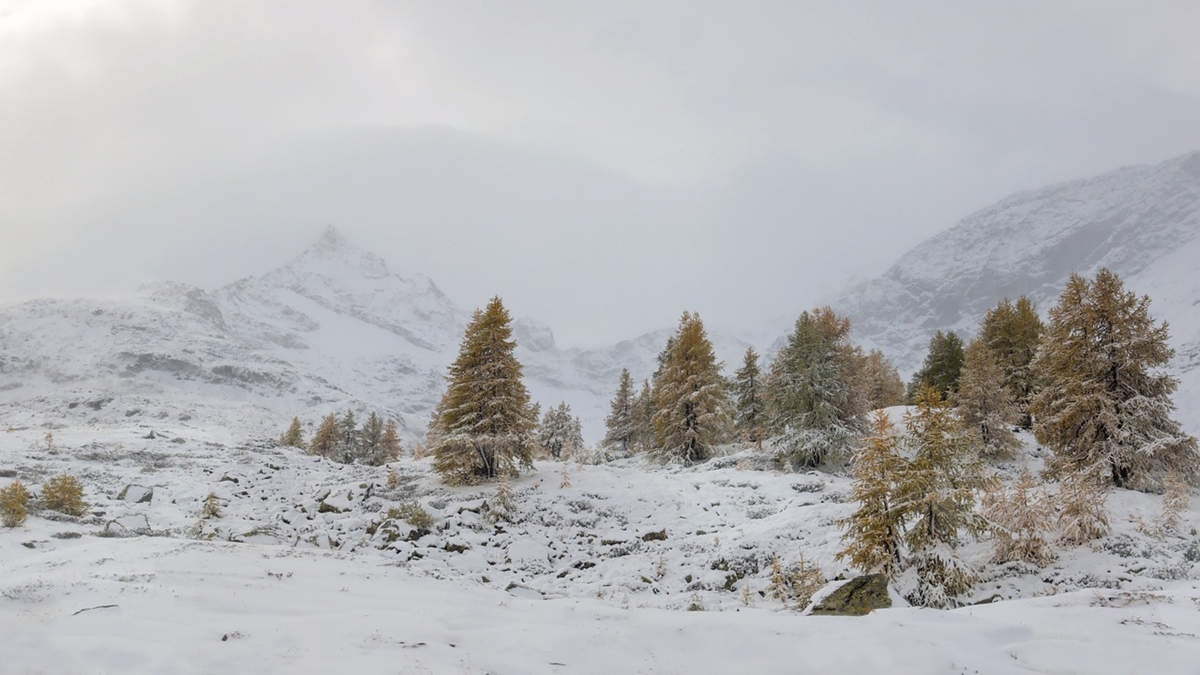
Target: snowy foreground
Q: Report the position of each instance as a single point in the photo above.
(299, 576)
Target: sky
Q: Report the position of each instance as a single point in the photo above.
(601, 166)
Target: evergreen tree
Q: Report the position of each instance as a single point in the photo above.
(874, 532)
(372, 450)
(349, 443)
(294, 436)
(941, 368)
(986, 405)
(691, 404)
(485, 420)
(812, 398)
(622, 419)
(1012, 332)
(643, 419)
(561, 433)
(880, 383)
(937, 495)
(750, 406)
(325, 441)
(1104, 404)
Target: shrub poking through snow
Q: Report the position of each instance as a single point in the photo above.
(796, 584)
(64, 493)
(14, 504)
(211, 507)
(412, 513)
(1020, 518)
(1081, 515)
(503, 504)
(1175, 501)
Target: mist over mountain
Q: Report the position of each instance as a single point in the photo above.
(1142, 222)
(334, 328)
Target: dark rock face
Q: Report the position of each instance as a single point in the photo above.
(856, 597)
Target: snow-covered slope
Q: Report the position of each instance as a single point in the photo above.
(305, 571)
(1142, 222)
(334, 328)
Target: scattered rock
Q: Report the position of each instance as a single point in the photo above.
(856, 597)
(137, 494)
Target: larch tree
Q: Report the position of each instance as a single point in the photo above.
(875, 531)
(560, 434)
(987, 407)
(324, 442)
(1104, 404)
(643, 418)
(294, 435)
(813, 402)
(1012, 332)
(880, 382)
(621, 423)
(1019, 518)
(391, 442)
(484, 421)
(942, 366)
(937, 494)
(749, 404)
(692, 412)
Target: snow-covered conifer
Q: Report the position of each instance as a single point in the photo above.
(349, 441)
(813, 402)
(986, 405)
(749, 404)
(937, 494)
(390, 445)
(560, 433)
(1104, 402)
(942, 366)
(874, 532)
(1019, 518)
(692, 414)
(620, 425)
(880, 382)
(325, 441)
(294, 435)
(485, 420)
(1012, 332)
(1081, 513)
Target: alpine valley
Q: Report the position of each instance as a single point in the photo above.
(208, 547)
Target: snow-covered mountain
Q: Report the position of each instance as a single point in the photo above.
(1142, 222)
(333, 328)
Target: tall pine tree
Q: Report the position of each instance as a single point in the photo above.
(485, 420)
(1012, 332)
(987, 407)
(621, 431)
(937, 495)
(560, 434)
(324, 442)
(692, 413)
(750, 407)
(941, 368)
(814, 403)
(1105, 404)
(874, 532)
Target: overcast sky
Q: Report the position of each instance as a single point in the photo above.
(602, 166)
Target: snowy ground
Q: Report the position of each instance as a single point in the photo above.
(304, 573)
